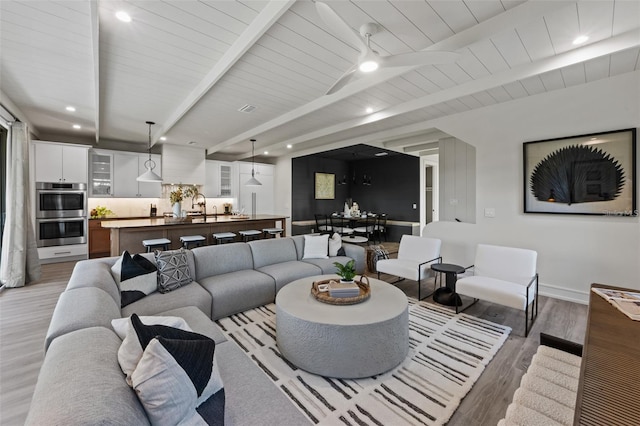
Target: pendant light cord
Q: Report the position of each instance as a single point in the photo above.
(152, 164)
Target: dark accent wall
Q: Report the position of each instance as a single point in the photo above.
(303, 202)
(395, 186)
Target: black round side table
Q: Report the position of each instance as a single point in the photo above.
(447, 295)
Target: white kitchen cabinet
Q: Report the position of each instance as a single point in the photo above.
(100, 173)
(264, 193)
(67, 253)
(59, 162)
(127, 167)
(260, 169)
(220, 179)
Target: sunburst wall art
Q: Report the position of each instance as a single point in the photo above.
(588, 174)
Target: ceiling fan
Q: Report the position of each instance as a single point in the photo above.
(370, 60)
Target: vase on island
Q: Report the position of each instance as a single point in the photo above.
(177, 209)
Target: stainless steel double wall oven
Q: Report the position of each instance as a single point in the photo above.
(61, 213)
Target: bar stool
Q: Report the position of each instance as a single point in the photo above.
(272, 232)
(161, 243)
(224, 237)
(250, 234)
(187, 240)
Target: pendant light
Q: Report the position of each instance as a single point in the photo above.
(149, 175)
(253, 181)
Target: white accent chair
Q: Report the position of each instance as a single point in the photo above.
(415, 256)
(506, 276)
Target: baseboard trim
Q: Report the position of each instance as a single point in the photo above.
(564, 293)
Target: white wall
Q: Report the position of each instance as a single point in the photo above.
(573, 251)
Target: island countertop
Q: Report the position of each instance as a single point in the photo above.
(128, 234)
(210, 220)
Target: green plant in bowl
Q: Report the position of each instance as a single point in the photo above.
(347, 271)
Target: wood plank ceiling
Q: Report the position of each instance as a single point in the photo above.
(191, 65)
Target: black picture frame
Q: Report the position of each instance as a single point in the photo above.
(590, 174)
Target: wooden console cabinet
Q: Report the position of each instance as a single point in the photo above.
(609, 388)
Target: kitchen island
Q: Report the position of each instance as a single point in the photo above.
(127, 234)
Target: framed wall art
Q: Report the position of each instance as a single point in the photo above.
(325, 184)
(592, 174)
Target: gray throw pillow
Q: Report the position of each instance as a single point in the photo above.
(173, 270)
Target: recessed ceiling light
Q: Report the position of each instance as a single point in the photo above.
(123, 16)
(163, 138)
(192, 142)
(70, 108)
(289, 146)
(369, 110)
(381, 154)
(580, 39)
(266, 153)
(77, 126)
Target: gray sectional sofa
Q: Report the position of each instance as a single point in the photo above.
(81, 382)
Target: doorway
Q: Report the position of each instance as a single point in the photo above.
(429, 190)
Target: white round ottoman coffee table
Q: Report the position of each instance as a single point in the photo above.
(343, 341)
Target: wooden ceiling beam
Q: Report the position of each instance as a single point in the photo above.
(608, 46)
(95, 52)
(265, 19)
(500, 23)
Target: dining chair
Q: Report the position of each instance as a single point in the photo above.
(380, 227)
(340, 225)
(322, 224)
(366, 226)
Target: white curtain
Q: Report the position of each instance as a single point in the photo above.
(19, 263)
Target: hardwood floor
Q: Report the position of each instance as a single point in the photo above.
(25, 314)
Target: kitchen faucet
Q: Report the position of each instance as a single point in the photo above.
(202, 204)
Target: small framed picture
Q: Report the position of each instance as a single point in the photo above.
(592, 174)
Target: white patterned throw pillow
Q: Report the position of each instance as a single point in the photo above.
(136, 277)
(131, 349)
(335, 243)
(177, 379)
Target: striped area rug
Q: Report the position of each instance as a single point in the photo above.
(447, 354)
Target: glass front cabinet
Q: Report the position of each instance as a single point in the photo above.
(100, 174)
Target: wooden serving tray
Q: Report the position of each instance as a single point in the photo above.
(323, 296)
